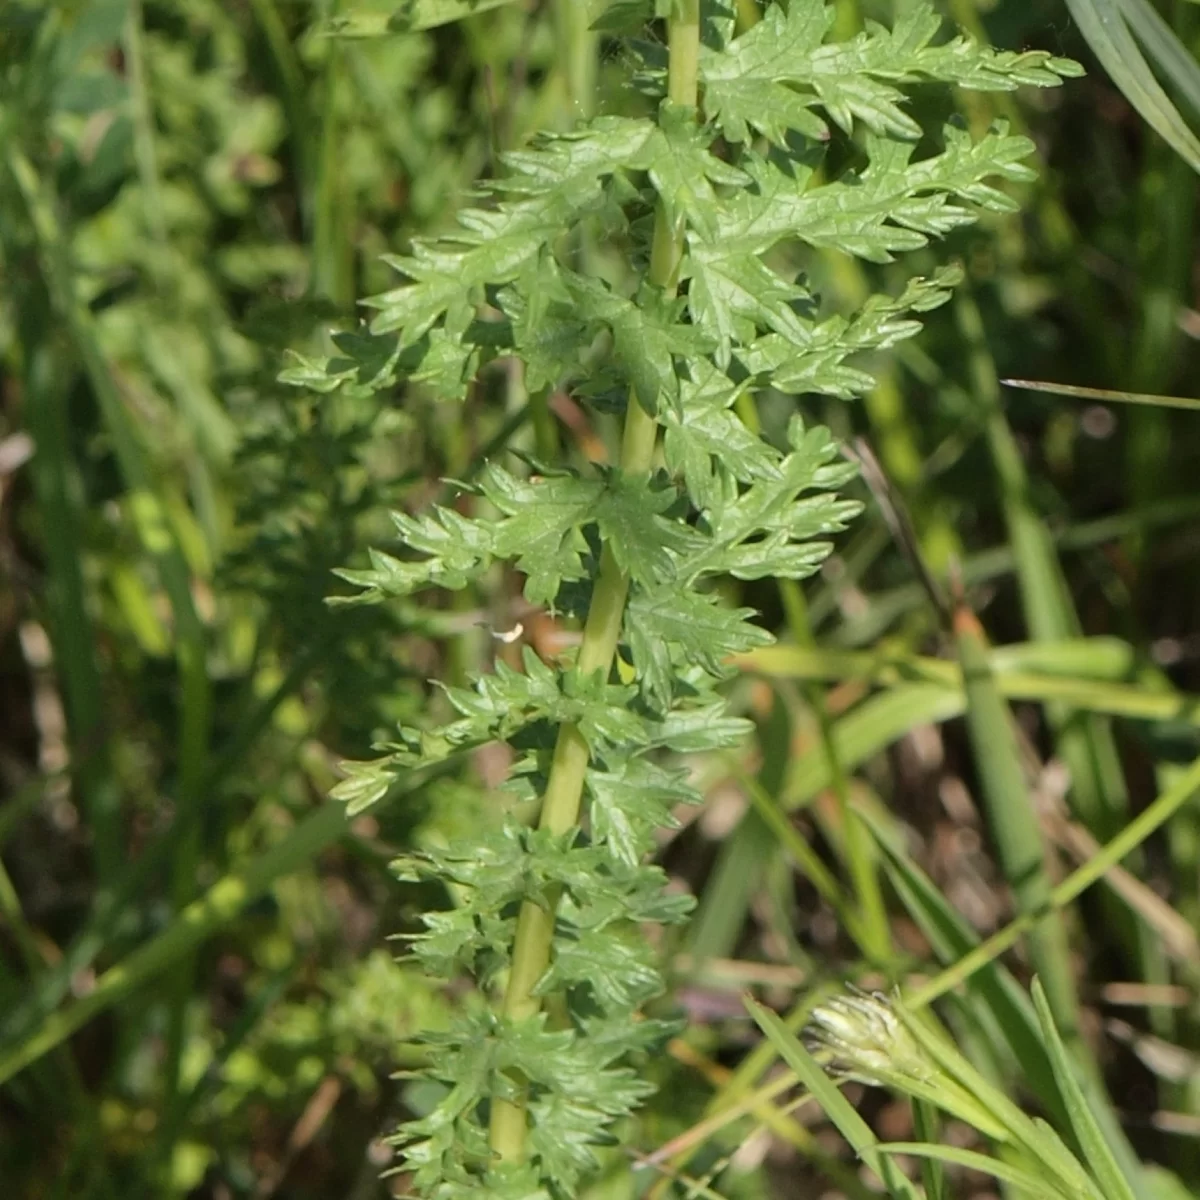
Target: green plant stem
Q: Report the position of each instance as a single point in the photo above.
(564, 787)
(577, 49)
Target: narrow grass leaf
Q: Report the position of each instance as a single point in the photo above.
(1165, 48)
(1180, 793)
(1028, 1180)
(1103, 24)
(871, 727)
(992, 987)
(836, 1107)
(1011, 816)
(1095, 1145)
(1070, 673)
(927, 1127)
(1102, 395)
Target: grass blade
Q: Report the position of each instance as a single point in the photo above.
(58, 487)
(1103, 24)
(1083, 1121)
(1180, 793)
(836, 1107)
(1015, 827)
(920, 679)
(1102, 395)
(1165, 48)
(1027, 1181)
(992, 988)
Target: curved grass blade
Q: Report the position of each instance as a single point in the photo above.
(1165, 48)
(872, 726)
(993, 986)
(837, 1108)
(1026, 1181)
(1103, 24)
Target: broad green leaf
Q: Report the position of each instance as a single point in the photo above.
(647, 335)
(682, 167)
(631, 801)
(705, 440)
(896, 204)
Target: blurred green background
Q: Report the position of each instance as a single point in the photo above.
(197, 993)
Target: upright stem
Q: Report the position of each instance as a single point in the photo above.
(564, 788)
(577, 49)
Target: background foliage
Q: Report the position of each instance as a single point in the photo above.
(198, 994)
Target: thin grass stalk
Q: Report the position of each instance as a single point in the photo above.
(888, 606)
(739, 1097)
(992, 1000)
(564, 789)
(927, 1127)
